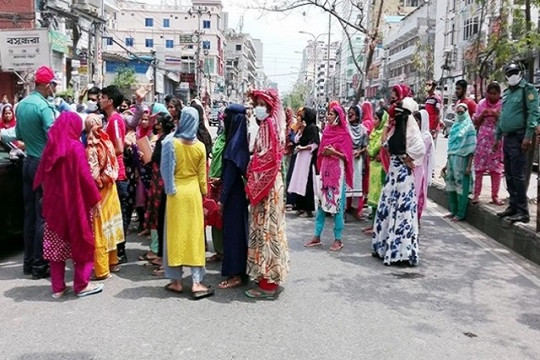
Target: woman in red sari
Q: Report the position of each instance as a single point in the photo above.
(268, 254)
(69, 195)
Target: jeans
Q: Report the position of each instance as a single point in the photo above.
(33, 220)
(515, 168)
(127, 210)
(176, 272)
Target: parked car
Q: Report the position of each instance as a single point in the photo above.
(448, 121)
(11, 197)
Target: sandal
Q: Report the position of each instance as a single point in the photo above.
(169, 287)
(368, 231)
(114, 268)
(147, 257)
(60, 294)
(312, 243)
(198, 295)
(158, 272)
(336, 246)
(214, 258)
(100, 278)
(497, 202)
(231, 283)
(144, 233)
(456, 219)
(475, 200)
(258, 293)
(91, 291)
(448, 216)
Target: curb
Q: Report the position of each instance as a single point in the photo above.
(520, 238)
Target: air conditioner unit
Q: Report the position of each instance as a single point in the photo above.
(91, 6)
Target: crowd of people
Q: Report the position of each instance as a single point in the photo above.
(88, 170)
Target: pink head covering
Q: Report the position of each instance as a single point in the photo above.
(367, 117)
(44, 75)
(339, 137)
(69, 191)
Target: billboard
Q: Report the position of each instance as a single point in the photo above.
(22, 50)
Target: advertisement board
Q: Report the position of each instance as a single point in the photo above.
(22, 50)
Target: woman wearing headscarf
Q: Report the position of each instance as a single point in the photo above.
(293, 133)
(303, 173)
(202, 132)
(216, 169)
(457, 171)
(424, 172)
(486, 157)
(395, 233)
(155, 207)
(360, 135)
(268, 254)
(67, 208)
(376, 169)
(8, 120)
(107, 215)
(367, 116)
(233, 198)
(335, 164)
(175, 108)
(183, 168)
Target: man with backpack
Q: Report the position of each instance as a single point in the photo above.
(517, 124)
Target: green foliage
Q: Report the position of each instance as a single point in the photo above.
(125, 79)
(64, 94)
(296, 98)
(423, 62)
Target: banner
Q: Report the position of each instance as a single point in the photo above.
(22, 50)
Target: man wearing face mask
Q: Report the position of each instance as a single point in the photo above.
(516, 126)
(35, 116)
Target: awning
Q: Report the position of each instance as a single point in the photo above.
(117, 57)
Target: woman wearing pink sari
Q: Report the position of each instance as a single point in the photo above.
(69, 195)
(335, 164)
(486, 158)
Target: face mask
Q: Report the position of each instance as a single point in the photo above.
(514, 79)
(260, 113)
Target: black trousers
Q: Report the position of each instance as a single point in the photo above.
(515, 168)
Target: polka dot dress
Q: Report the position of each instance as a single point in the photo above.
(54, 248)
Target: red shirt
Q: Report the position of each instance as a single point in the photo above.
(116, 129)
(471, 105)
(433, 108)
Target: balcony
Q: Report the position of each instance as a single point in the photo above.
(402, 55)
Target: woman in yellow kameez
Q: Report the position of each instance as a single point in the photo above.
(107, 215)
(183, 168)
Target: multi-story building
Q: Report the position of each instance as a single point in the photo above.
(409, 48)
(460, 35)
(186, 42)
(380, 16)
(313, 73)
(241, 53)
(326, 71)
(261, 76)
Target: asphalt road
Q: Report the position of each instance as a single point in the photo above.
(470, 298)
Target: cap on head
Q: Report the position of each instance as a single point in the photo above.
(45, 75)
(512, 69)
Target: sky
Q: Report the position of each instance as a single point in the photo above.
(280, 36)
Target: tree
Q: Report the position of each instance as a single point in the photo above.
(297, 97)
(350, 26)
(125, 79)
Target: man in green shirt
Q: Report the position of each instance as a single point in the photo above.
(516, 126)
(35, 116)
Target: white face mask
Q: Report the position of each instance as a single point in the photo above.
(260, 113)
(514, 79)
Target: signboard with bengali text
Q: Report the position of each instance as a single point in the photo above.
(23, 50)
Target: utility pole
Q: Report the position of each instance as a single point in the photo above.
(328, 57)
(154, 71)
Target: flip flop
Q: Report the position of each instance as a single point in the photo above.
(169, 288)
(257, 294)
(100, 278)
(198, 295)
(95, 290)
(158, 272)
(60, 294)
(231, 283)
(312, 243)
(336, 248)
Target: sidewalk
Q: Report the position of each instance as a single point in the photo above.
(521, 238)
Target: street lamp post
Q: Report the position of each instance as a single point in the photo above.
(315, 48)
(198, 11)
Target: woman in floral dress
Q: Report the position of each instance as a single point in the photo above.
(395, 234)
(268, 252)
(486, 158)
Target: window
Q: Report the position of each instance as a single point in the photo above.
(238, 47)
(129, 41)
(190, 46)
(470, 28)
(166, 23)
(109, 41)
(206, 24)
(169, 44)
(149, 22)
(206, 45)
(409, 3)
(149, 43)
